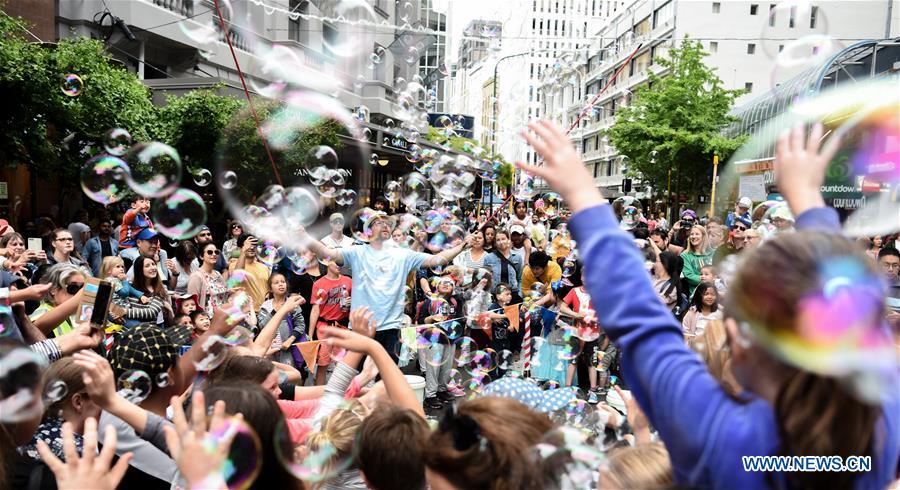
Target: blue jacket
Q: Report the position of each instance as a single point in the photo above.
(514, 268)
(93, 252)
(705, 431)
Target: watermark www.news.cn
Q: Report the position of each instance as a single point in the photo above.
(806, 463)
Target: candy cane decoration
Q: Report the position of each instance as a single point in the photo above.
(526, 341)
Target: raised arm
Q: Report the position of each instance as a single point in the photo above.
(445, 256)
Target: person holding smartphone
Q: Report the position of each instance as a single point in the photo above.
(17, 259)
(257, 278)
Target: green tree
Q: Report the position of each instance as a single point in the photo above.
(292, 133)
(471, 147)
(676, 124)
(54, 133)
(193, 124)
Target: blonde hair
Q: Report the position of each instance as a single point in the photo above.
(712, 345)
(704, 242)
(338, 430)
(108, 263)
(643, 466)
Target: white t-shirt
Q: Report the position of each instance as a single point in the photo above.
(330, 242)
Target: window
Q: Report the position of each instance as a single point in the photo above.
(717, 6)
(748, 86)
(751, 48)
(713, 47)
(813, 13)
(771, 15)
(792, 21)
(780, 48)
(754, 9)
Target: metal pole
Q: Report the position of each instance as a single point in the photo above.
(712, 197)
(887, 25)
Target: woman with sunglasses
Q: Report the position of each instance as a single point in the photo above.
(65, 280)
(230, 245)
(206, 282)
(63, 250)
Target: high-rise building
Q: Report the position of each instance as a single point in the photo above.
(433, 63)
(742, 37)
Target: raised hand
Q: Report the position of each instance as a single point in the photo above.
(88, 470)
(563, 169)
(800, 167)
(362, 321)
(189, 443)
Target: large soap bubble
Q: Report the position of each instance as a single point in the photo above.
(317, 157)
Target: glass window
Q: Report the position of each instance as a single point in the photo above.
(751, 48)
(754, 8)
(771, 15)
(813, 14)
(792, 21)
(748, 86)
(716, 7)
(713, 46)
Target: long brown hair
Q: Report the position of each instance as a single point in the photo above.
(816, 414)
(140, 280)
(504, 463)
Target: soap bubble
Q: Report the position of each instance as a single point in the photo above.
(432, 342)
(311, 178)
(134, 385)
(180, 215)
(202, 177)
(21, 372)
(103, 179)
(392, 190)
(54, 391)
(552, 204)
(116, 141)
(213, 352)
(162, 380)
(311, 464)
(203, 30)
(414, 189)
(155, 169)
(353, 37)
(228, 180)
(72, 85)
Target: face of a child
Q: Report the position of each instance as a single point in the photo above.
(706, 275)
(141, 205)
(188, 306)
(185, 321)
(445, 287)
(201, 324)
(504, 296)
(333, 268)
(709, 297)
(118, 271)
(279, 285)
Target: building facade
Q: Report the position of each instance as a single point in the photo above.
(742, 37)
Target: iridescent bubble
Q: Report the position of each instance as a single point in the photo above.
(361, 224)
(571, 343)
(413, 190)
(269, 253)
(71, 85)
(312, 463)
(552, 204)
(103, 179)
(116, 141)
(288, 199)
(155, 169)
(203, 30)
(465, 347)
(134, 385)
(54, 391)
(349, 40)
(21, 372)
(345, 197)
(525, 188)
(228, 180)
(373, 160)
(299, 262)
(392, 190)
(213, 351)
(180, 215)
(432, 342)
(202, 177)
(242, 466)
(162, 380)
(433, 220)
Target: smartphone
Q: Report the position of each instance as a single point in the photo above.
(34, 245)
(100, 312)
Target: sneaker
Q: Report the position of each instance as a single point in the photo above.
(593, 397)
(433, 403)
(456, 391)
(445, 396)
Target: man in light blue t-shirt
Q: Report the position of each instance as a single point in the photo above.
(379, 276)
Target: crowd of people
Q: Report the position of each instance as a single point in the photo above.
(543, 333)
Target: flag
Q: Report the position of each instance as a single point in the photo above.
(512, 314)
(309, 351)
(548, 319)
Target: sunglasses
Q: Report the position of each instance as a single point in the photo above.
(741, 228)
(74, 287)
(212, 252)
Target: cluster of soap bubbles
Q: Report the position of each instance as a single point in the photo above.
(151, 169)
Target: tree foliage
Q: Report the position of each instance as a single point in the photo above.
(193, 124)
(680, 117)
(54, 133)
(461, 144)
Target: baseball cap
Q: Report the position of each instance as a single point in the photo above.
(203, 228)
(145, 347)
(335, 216)
(744, 221)
(146, 234)
(530, 394)
(516, 229)
(745, 202)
